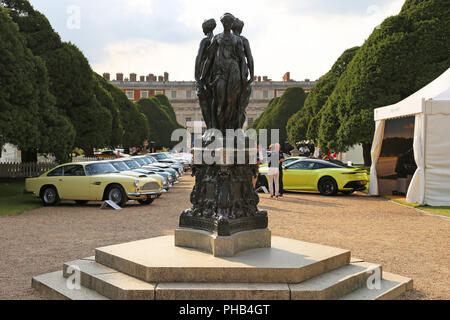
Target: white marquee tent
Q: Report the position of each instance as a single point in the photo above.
(431, 108)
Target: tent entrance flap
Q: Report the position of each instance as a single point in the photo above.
(393, 164)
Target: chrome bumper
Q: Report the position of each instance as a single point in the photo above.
(146, 193)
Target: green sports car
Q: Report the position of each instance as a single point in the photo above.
(327, 177)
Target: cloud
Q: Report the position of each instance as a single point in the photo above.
(153, 36)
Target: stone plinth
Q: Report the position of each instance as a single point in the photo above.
(156, 269)
(157, 260)
(222, 246)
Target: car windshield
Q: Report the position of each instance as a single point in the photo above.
(146, 160)
(288, 161)
(140, 161)
(132, 164)
(160, 156)
(120, 165)
(151, 159)
(99, 168)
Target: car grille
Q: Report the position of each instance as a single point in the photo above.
(150, 186)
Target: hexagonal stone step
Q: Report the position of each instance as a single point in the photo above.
(108, 282)
(336, 283)
(391, 287)
(54, 286)
(222, 291)
(158, 260)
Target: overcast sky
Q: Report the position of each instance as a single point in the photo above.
(304, 37)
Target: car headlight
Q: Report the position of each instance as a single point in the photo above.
(136, 183)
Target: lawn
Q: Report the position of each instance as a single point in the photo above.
(12, 198)
(444, 211)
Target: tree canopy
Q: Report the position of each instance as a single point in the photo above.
(58, 100)
(28, 116)
(303, 125)
(407, 52)
(160, 122)
(279, 111)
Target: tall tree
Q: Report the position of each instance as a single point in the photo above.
(19, 93)
(105, 98)
(167, 106)
(134, 123)
(280, 110)
(407, 52)
(30, 118)
(160, 122)
(304, 124)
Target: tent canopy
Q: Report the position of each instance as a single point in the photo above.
(436, 90)
(431, 108)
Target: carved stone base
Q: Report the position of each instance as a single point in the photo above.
(224, 227)
(222, 246)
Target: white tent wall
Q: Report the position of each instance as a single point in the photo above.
(437, 153)
(416, 188)
(431, 107)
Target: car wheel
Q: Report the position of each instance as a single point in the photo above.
(328, 186)
(349, 192)
(81, 202)
(117, 195)
(147, 201)
(50, 196)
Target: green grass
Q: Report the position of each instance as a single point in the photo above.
(444, 211)
(12, 198)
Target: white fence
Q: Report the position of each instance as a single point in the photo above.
(25, 170)
(32, 169)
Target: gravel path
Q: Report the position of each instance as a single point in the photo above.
(401, 239)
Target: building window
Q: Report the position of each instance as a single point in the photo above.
(250, 121)
(130, 95)
(144, 94)
(158, 92)
(174, 94)
(188, 94)
(265, 94)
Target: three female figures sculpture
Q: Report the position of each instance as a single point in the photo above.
(222, 69)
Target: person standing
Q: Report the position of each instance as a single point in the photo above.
(275, 162)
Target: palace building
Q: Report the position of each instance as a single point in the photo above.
(182, 94)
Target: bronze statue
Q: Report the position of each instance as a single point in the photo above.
(224, 200)
(224, 85)
(204, 93)
(237, 27)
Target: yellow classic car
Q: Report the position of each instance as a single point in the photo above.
(327, 177)
(92, 181)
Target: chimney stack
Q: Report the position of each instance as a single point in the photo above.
(119, 77)
(107, 76)
(160, 78)
(133, 77)
(142, 78)
(166, 77)
(287, 77)
(265, 78)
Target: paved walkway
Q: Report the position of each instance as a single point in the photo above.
(401, 239)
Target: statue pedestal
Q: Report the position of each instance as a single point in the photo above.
(222, 246)
(224, 218)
